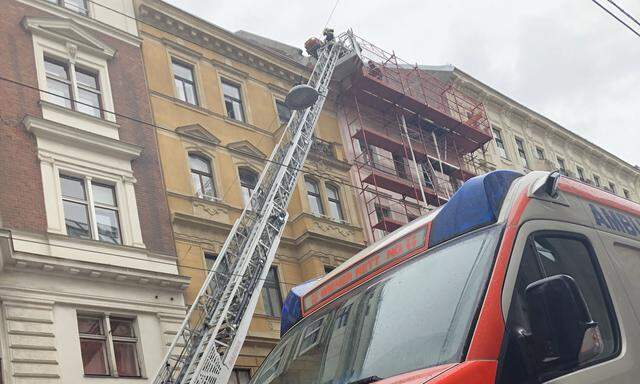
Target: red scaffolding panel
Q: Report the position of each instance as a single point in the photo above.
(413, 137)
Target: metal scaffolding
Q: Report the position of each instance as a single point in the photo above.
(413, 137)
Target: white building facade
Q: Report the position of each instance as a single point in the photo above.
(89, 286)
(524, 140)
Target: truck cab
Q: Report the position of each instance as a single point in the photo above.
(517, 279)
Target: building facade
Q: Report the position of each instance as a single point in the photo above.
(217, 100)
(89, 286)
(524, 140)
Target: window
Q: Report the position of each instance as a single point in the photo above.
(232, 101)
(239, 376)
(596, 180)
(426, 175)
(210, 261)
(328, 269)
(284, 113)
(248, 182)
(580, 173)
(184, 82)
(313, 194)
(612, 187)
(109, 346)
(627, 194)
(549, 254)
(311, 336)
(497, 135)
(382, 212)
(335, 207)
(202, 176)
(399, 165)
(79, 6)
(539, 153)
(67, 82)
(90, 209)
(561, 166)
(522, 155)
(271, 297)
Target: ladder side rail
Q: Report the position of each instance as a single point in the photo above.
(165, 371)
(303, 133)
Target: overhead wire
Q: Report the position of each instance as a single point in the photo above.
(230, 149)
(625, 12)
(617, 18)
(148, 124)
(418, 205)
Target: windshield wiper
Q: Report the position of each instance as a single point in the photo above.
(366, 380)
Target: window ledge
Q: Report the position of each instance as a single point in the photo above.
(45, 129)
(91, 259)
(90, 377)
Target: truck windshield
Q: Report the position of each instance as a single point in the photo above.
(414, 316)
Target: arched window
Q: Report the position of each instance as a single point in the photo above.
(335, 207)
(248, 182)
(202, 176)
(313, 193)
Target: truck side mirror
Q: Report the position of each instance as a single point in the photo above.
(563, 333)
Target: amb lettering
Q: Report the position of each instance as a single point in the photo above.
(615, 220)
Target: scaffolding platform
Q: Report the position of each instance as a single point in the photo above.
(388, 224)
(402, 186)
(395, 145)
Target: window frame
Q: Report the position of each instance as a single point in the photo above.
(596, 181)
(522, 152)
(72, 68)
(540, 155)
(192, 69)
(246, 198)
(500, 144)
(110, 339)
(91, 205)
(316, 195)
(73, 8)
(282, 104)
(272, 285)
(337, 201)
(232, 99)
(562, 166)
(580, 173)
(555, 229)
(199, 193)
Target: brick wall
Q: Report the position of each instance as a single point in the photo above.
(21, 196)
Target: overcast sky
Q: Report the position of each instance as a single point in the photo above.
(566, 59)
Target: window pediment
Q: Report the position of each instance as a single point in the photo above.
(246, 147)
(69, 32)
(198, 132)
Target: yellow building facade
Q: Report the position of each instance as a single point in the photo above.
(217, 105)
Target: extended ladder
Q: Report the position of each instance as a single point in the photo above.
(210, 337)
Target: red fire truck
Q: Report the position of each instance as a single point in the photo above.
(517, 279)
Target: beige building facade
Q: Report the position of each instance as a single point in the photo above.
(217, 101)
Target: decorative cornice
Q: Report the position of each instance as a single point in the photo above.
(87, 140)
(230, 47)
(85, 21)
(68, 31)
(533, 117)
(32, 253)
